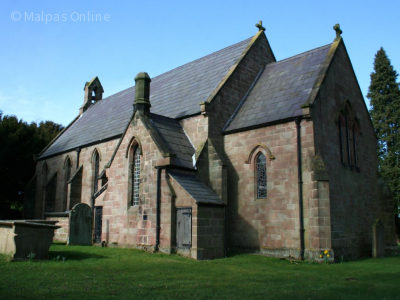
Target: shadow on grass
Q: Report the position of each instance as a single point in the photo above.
(57, 243)
(233, 253)
(72, 255)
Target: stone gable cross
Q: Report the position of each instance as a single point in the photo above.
(338, 31)
(260, 27)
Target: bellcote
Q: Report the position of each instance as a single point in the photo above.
(93, 93)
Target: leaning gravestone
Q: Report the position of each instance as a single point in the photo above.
(80, 225)
(378, 239)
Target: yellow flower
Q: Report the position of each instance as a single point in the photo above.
(326, 252)
(327, 255)
(320, 256)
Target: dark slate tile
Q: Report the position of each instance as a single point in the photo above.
(294, 101)
(196, 189)
(298, 112)
(176, 93)
(287, 114)
(284, 109)
(285, 85)
(175, 139)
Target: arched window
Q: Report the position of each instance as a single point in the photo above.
(135, 176)
(67, 177)
(261, 168)
(45, 173)
(49, 189)
(354, 134)
(348, 137)
(348, 130)
(341, 140)
(133, 153)
(67, 169)
(96, 162)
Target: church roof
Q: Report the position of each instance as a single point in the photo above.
(174, 94)
(196, 189)
(175, 139)
(280, 90)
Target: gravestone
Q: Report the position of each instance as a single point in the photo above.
(378, 239)
(20, 239)
(80, 225)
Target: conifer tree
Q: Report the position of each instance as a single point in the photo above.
(384, 95)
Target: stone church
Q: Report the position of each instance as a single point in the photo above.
(232, 151)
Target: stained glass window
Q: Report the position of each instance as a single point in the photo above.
(261, 176)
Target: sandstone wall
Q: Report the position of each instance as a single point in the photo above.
(271, 223)
(354, 196)
(56, 164)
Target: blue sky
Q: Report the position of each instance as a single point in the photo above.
(45, 64)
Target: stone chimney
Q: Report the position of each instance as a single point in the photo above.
(142, 93)
(93, 93)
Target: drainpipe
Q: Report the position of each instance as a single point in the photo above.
(158, 227)
(300, 183)
(226, 232)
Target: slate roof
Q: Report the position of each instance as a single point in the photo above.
(175, 139)
(280, 90)
(174, 94)
(196, 189)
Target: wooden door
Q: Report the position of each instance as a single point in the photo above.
(184, 228)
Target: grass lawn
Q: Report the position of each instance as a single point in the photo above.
(109, 273)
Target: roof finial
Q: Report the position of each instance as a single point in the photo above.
(260, 27)
(338, 31)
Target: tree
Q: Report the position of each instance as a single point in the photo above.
(19, 142)
(384, 95)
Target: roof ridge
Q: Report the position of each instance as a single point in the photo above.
(243, 99)
(298, 55)
(232, 69)
(202, 58)
(323, 71)
(170, 95)
(181, 66)
(280, 93)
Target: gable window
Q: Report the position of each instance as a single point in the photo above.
(354, 146)
(348, 142)
(348, 130)
(341, 141)
(261, 167)
(135, 178)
